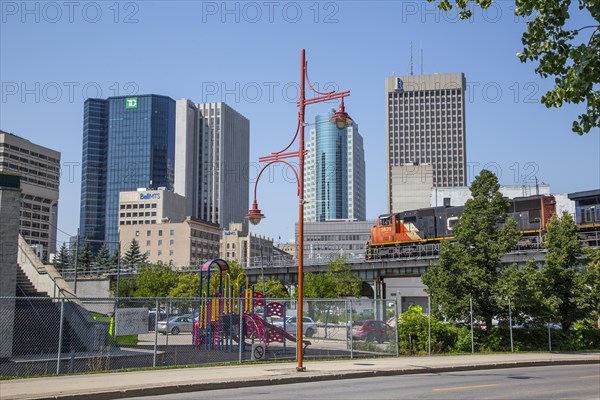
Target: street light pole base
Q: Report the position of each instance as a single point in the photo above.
(300, 369)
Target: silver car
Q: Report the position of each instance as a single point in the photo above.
(176, 324)
(308, 325)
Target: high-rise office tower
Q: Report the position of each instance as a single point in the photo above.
(39, 168)
(211, 171)
(128, 143)
(425, 119)
(334, 186)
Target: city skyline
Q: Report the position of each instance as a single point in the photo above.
(253, 69)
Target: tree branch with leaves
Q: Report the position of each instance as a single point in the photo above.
(570, 55)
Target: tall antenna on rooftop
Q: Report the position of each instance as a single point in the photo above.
(411, 58)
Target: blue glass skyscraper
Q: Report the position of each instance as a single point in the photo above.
(128, 143)
(334, 172)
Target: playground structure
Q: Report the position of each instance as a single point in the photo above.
(228, 312)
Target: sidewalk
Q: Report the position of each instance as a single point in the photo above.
(144, 383)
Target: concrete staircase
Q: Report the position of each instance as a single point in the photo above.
(42, 297)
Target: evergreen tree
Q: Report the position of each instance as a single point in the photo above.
(114, 260)
(470, 268)
(561, 269)
(84, 261)
(61, 259)
(133, 257)
(102, 260)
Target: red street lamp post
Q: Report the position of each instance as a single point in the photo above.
(341, 119)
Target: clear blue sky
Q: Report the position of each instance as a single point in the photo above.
(53, 56)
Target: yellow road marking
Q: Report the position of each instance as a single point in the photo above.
(589, 376)
(464, 387)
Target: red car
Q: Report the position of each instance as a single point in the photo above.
(371, 330)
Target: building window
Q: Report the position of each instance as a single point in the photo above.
(172, 233)
(170, 252)
(137, 233)
(171, 242)
(160, 232)
(160, 242)
(148, 243)
(148, 233)
(160, 253)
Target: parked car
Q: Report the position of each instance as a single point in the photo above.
(176, 324)
(152, 318)
(308, 325)
(371, 330)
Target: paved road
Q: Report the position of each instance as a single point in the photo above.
(548, 383)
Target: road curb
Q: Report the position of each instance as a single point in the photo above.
(317, 376)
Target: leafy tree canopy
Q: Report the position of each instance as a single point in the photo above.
(470, 268)
(338, 281)
(589, 291)
(561, 269)
(568, 53)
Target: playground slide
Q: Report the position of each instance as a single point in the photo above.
(273, 331)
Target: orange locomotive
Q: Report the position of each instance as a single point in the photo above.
(410, 233)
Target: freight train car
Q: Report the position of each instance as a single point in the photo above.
(587, 215)
(419, 232)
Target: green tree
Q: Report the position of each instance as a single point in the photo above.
(133, 257)
(560, 269)
(272, 289)
(470, 268)
(84, 261)
(568, 54)
(127, 287)
(525, 289)
(61, 260)
(155, 280)
(589, 298)
(115, 259)
(338, 281)
(187, 286)
(102, 260)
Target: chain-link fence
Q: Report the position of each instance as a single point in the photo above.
(46, 335)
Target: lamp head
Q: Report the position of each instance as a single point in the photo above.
(341, 119)
(254, 215)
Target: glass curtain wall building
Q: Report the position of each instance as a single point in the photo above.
(334, 185)
(129, 143)
(93, 170)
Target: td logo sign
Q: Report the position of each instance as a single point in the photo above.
(131, 102)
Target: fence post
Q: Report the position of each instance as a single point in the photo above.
(241, 337)
(549, 338)
(156, 333)
(429, 325)
(471, 312)
(351, 338)
(396, 327)
(346, 319)
(168, 311)
(510, 326)
(60, 335)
